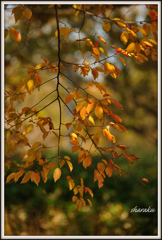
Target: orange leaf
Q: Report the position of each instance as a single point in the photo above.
(108, 171)
(122, 60)
(94, 73)
(68, 98)
(27, 13)
(117, 103)
(101, 167)
(74, 142)
(83, 113)
(15, 35)
(95, 51)
(101, 39)
(144, 180)
(86, 189)
(75, 148)
(131, 47)
(26, 177)
(51, 165)
(89, 107)
(87, 162)
(128, 157)
(56, 174)
(10, 176)
(90, 203)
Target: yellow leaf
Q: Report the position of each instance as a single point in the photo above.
(30, 85)
(89, 107)
(106, 27)
(99, 112)
(101, 39)
(26, 177)
(122, 60)
(142, 31)
(10, 176)
(100, 86)
(103, 51)
(18, 175)
(27, 13)
(71, 182)
(79, 106)
(28, 129)
(83, 113)
(56, 174)
(68, 98)
(64, 32)
(124, 37)
(130, 47)
(70, 165)
(15, 35)
(120, 22)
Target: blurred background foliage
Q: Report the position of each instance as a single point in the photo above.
(48, 209)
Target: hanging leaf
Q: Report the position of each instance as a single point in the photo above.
(56, 174)
(99, 112)
(101, 39)
(124, 37)
(106, 27)
(15, 35)
(27, 13)
(83, 113)
(64, 32)
(94, 73)
(144, 180)
(26, 177)
(122, 60)
(68, 98)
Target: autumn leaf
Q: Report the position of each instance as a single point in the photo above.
(83, 113)
(26, 177)
(56, 174)
(27, 13)
(106, 27)
(124, 37)
(71, 182)
(68, 98)
(87, 162)
(122, 60)
(10, 177)
(70, 165)
(144, 180)
(99, 112)
(94, 73)
(119, 22)
(108, 171)
(64, 32)
(15, 35)
(101, 39)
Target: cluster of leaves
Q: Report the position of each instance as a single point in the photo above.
(92, 117)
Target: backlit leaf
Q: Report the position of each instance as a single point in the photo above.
(15, 35)
(10, 177)
(144, 180)
(106, 27)
(71, 182)
(120, 22)
(79, 106)
(94, 73)
(26, 177)
(101, 39)
(68, 98)
(56, 174)
(27, 13)
(122, 60)
(79, 204)
(87, 162)
(83, 113)
(29, 128)
(130, 47)
(90, 203)
(124, 37)
(108, 171)
(70, 165)
(74, 142)
(99, 112)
